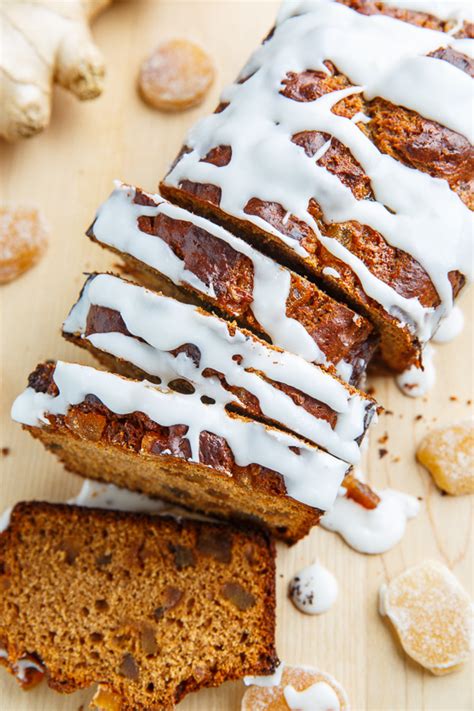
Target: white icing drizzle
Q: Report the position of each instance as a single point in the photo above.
(117, 225)
(311, 476)
(416, 382)
(313, 590)
(383, 600)
(412, 210)
(317, 697)
(372, 530)
(329, 271)
(5, 519)
(450, 327)
(94, 494)
(165, 324)
(22, 665)
(266, 681)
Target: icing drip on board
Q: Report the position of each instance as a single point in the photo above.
(372, 530)
(412, 210)
(108, 496)
(22, 667)
(116, 225)
(311, 476)
(164, 325)
(266, 681)
(317, 697)
(5, 519)
(416, 382)
(313, 590)
(301, 687)
(450, 327)
(94, 494)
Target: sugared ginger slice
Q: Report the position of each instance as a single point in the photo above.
(432, 615)
(105, 700)
(176, 75)
(448, 454)
(300, 687)
(23, 240)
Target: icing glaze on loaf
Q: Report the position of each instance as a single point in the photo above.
(130, 221)
(311, 476)
(169, 340)
(258, 124)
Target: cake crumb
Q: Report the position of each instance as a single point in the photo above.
(5, 451)
(382, 452)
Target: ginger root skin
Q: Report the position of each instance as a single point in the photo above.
(45, 41)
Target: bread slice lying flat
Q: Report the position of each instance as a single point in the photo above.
(148, 607)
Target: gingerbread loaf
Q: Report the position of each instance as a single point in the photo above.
(139, 333)
(163, 245)
(148, 607)
(174, 447)
(344, 149)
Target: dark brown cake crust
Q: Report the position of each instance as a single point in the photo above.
(109, 597)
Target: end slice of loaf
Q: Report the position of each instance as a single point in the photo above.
(138, 332)
(149, 607)
(163, 244)
(350, 194)
(174, 447)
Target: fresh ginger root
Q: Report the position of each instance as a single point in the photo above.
(45, 41)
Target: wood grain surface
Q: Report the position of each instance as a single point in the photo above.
(67, 171)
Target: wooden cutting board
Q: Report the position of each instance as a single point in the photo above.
(68, 171)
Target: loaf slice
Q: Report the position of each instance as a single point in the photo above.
(161, 243)
(149, 607)
(174, 447)
(140, 333)
(328, 151)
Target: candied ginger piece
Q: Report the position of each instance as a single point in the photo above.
(432, 615)
(105, 700)
(298, 687)
(448, 454)
(176, 75)
(23, 240)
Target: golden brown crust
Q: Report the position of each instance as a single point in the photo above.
(110, 589)
(135, 452)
